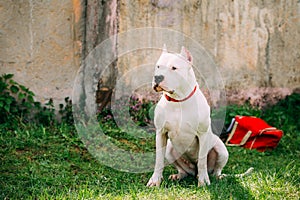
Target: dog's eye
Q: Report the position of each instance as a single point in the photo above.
(157, 66)
(174, 68)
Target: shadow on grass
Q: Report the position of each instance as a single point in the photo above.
(227, 188)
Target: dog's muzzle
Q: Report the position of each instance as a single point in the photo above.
(157, 80)
(157, 86)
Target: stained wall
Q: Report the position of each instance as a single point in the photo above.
(255, 43)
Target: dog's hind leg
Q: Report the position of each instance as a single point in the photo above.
(221, 159)
(183, 166)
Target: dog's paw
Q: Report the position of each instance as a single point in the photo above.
(154, 181)
(203, 179)
(221, 176)
(202, 183)
(179, 176)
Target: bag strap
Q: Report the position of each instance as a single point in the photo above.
(267, 129)
(244, 140)
(261, 132)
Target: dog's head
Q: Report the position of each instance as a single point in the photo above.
(174, 73)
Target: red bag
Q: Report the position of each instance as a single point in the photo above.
(253, 133)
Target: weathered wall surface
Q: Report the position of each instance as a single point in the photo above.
(255, 42)
(39, 46)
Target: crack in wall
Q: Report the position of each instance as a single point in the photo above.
(268, 80)
(31, 8)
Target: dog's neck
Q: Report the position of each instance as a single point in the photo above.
(184, 99)
(183, 93)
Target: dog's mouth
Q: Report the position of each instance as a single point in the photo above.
(158, 88)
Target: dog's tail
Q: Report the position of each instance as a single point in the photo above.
(249, 171)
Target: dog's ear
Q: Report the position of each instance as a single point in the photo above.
(165, 49)
(186, 54)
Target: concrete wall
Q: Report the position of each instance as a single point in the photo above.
(38, 45)
(255, 43)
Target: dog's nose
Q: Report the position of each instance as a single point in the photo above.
(158, 79)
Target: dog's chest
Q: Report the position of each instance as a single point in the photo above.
(180, 124)
(183, 138)
(177, 117)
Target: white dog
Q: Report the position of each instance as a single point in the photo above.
(183, 125)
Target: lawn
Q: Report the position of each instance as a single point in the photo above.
(50, 162)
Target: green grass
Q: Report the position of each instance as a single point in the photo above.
(39, 162)
(51, 163)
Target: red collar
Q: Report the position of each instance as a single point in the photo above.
(181, 100)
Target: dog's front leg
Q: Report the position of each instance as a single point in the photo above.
(161, 143)
(203, 178)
